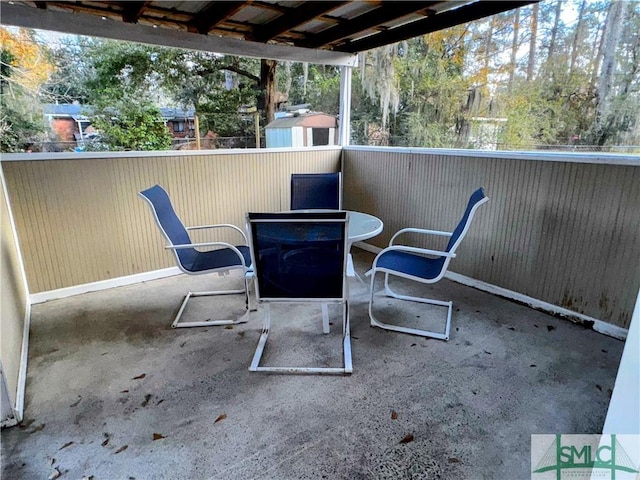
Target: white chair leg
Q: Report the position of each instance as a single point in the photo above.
(242, 319)
(249, 279)
(412, 331)
(346, 350)
(254, 367)
(346, 339)
(325, 318)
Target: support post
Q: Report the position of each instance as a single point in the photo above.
(345, 106)
(196, 124)
(256, 117)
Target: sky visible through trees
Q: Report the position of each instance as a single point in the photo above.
(557, 75)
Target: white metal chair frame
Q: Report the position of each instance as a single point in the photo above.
(247, 276)
(247, 273)
(347, 367)
(419, 251)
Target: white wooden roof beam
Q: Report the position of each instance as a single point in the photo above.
(94, 26)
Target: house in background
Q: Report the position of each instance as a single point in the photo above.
(181, 123)
(298, 127)
(68, 121)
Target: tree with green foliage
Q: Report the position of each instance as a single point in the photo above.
(215, 86)
(68, 84)
(24, 67)
(130, 125)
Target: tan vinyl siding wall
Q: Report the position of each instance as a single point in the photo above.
(566, 233)
(80, 220)
(13, 301)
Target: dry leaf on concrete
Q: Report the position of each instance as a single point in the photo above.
(55, 474)
(407, 439)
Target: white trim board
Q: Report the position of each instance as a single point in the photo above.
(18, 408)
(623, 414)
(625, 159)
(598, 325)
(24, 358)
(102, 285)
(47, 156)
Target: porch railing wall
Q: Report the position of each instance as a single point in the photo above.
(563, 229)
(80, 220)
(13, 308)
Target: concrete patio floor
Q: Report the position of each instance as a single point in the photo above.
(114, 393)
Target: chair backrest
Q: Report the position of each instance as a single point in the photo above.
(169, 223)
(299, 255)
(477, 198)
(316, 191)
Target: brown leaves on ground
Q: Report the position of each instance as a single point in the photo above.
(55, 474)
(220, 418)
(25, 425)
(407, 439)
(68, 444)
(121, 449)
(394, 415)
(37, 429)
(140, 377)
(158, 436)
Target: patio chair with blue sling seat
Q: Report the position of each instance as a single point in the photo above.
(193, 261)
(421, 265)
(316, 191)
(300, 258)
(319, 191)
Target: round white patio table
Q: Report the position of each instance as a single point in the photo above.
(362, 226)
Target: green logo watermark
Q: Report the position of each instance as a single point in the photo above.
(585, 457)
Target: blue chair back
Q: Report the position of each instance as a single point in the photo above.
(299, 255)
(169, 223)
(477, 198)
(315, 191)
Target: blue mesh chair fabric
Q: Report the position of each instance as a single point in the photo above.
(421, 265)
(300, 257)
(190, 260)
(430, 268)
(315, 191)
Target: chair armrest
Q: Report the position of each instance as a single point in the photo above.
(404, 248)
(220, 225)
(419, 230)
(208, 244)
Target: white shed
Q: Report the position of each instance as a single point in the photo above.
(302, 131)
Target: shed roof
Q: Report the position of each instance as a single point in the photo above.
(176, 113)
(73, 110)
(320, 120)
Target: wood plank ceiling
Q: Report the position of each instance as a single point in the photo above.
(340, 26)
